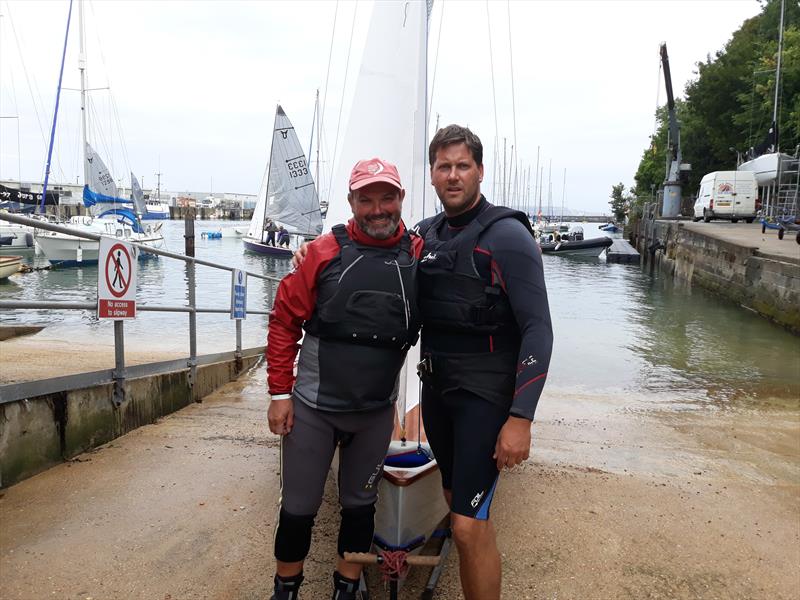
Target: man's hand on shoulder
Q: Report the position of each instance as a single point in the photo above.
(513, 443)
(300, 255)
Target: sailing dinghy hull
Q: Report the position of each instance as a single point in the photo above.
(410, 502)
(258, 247)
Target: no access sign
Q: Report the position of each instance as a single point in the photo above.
(116, 280)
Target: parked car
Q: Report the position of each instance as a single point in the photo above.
(727, 195)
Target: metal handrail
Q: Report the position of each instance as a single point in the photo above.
(12, 392)
(38, 224)
(38, 304)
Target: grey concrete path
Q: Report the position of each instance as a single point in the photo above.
(749, 235)
(623, 497)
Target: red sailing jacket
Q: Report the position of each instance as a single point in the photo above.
(296, 299)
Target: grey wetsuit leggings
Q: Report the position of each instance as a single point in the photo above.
(307, 453)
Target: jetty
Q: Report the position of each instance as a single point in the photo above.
(622, 252)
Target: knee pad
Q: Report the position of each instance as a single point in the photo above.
(357, 529)
(293, 538)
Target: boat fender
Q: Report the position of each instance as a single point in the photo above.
(293, 538)
(357, 529)
(29, 240)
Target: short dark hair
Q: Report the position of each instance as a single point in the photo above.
(455, 134)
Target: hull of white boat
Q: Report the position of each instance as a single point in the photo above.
(9, 265)
(70, 251)
(67, 250)
(409, 511)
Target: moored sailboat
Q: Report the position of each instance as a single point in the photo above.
(288, 196)
(110, 214)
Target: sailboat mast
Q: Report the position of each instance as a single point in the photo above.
(428, 8)
(563, 194)
(55, 114)
(82, 69)
(535, 185)
(319, 119)
(778, 79)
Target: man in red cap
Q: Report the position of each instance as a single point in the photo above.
(355, 297)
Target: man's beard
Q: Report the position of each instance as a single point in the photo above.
(380, 232)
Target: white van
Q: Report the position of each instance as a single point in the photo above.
(727, 195)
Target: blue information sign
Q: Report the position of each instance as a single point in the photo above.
(239, 295)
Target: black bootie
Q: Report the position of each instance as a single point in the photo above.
(344, 588)
(287, 588)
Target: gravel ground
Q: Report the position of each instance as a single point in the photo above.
(622, 498)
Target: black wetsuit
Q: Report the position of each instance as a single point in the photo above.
(479, 378)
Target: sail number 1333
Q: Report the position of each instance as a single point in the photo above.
(297, 168)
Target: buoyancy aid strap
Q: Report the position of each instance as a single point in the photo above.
(340, 233)
(405, 243)
(431, 223)
(495, 213)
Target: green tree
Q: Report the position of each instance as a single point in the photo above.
(619, 202)
(728, 106)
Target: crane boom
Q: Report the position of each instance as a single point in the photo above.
(672, 183)
(674, 130)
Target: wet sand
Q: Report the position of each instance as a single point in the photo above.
(622, 498)
(28, 358)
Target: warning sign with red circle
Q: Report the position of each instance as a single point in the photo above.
(116, 280)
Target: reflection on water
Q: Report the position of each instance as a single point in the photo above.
(161, 282)
(617, 329)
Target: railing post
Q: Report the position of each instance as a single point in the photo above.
(190, 268)
(238, 354)
(119, 363)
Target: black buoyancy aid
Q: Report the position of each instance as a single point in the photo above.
(453, 295)
(367, 295)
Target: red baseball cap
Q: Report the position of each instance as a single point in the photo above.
(374, 170)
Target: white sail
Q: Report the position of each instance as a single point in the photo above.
(388, 115)
(291, 194)
(388, 119)
(100, 179)
(256, 229)
(138, 196)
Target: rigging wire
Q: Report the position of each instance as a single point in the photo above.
(494, 96)
(341, 104)
(435, 66)
(113, 112)
(513, 98)
(28, 81)
(321, 121)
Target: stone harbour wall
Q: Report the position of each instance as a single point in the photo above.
(38, 433)
(768, 285)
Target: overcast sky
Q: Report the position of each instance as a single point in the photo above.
(195, 84)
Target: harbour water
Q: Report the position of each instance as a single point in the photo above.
(618, 329)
